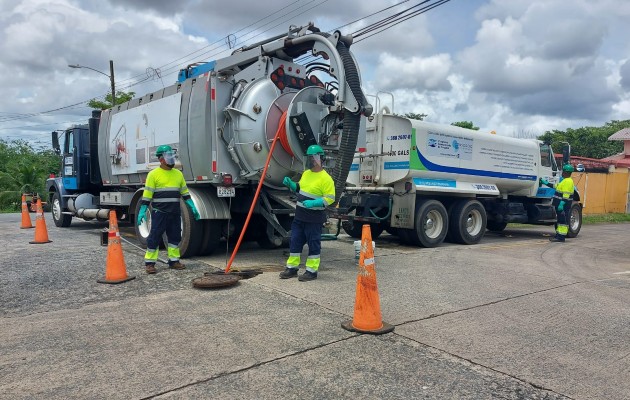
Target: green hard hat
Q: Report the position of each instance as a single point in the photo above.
(314, 149)
(567, 168)
(162, 149)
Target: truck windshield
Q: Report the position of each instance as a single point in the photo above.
(546, 155)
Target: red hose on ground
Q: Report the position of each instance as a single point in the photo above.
(281, 127)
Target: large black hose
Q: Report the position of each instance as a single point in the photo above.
(351, 123)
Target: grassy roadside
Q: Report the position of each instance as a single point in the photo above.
(613, 218)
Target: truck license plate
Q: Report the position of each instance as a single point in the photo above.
(223, 191)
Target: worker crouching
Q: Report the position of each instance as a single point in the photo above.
(315, 191)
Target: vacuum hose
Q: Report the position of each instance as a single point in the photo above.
(351, 123)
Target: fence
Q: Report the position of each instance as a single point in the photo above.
(603, 193)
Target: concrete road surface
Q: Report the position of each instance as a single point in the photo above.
(515, 317)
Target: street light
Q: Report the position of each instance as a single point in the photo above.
(110, 76)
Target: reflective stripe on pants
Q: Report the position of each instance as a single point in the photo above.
(305, 233)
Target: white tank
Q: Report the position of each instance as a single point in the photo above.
(446, 156)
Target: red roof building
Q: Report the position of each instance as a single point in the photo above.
(621, 160)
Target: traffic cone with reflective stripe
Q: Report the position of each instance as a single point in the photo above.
(26, 216)
(115, 270)
(367, 309)
(41, 233)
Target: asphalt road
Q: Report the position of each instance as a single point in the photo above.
(515, 317)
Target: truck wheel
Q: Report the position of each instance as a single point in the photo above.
(496, 226)
(352, 228)
(575, 220)
(192, 233)
(61, 220)
(212, 231)
(431, 223)
(467, 222)
(142, 230)
(355, 229)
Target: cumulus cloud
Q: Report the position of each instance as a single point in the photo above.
(415, 73)
(535, 63)
(624, 71)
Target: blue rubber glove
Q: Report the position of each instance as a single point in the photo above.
(313, 203)
(193, 209)
(542, 181)
(561, 206)
(288, 182)
(142, 214)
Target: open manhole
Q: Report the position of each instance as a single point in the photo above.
(219, 279)
(214, 281)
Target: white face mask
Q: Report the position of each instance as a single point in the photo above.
(312, 161)
(169, 158)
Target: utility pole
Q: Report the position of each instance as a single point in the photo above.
(110, 76)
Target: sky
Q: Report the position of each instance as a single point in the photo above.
(518, 67)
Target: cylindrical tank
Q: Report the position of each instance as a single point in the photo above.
(445, 154)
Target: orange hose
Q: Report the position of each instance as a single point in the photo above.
(281, 126)
(284, 140)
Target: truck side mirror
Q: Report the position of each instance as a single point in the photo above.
(55, 142)
(566, 153)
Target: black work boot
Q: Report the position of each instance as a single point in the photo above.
(288, 273)
(557, 239)
(308, 276)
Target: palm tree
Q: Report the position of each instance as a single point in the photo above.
(23, 178)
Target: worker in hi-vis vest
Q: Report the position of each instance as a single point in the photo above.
(562, 200)
(315, 191)
(163, 189)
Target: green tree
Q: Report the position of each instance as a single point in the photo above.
(23, 169)
(588, 141)
(121, 97)
(466, 124)
(412, 115)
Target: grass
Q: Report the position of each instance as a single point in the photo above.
(613, 218)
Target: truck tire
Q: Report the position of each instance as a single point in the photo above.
(60, 219)
(192, 233)
(467, 222)
(575, 220)
(142, 230)
(431, 223)
(355, 229)
(351, 228)
(496, 226)
(212, 231)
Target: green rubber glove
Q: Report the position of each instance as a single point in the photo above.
(288, 182)
(142, 214)
(193, 209)
(542, 181)
(561, 206)
(313, 203)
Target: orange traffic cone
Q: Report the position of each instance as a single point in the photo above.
(41, 233)
(26, 216)
(115, 270)
(367, 308)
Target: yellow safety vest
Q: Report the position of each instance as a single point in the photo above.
(164, 188)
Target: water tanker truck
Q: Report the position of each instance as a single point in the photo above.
(427, 182)
(221, 117)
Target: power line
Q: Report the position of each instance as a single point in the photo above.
(363, 33)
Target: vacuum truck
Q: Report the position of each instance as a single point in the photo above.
(221, 118)
(427, 183)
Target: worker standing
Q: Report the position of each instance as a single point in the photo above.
(315, 191)
(163, 188)
(562, 200)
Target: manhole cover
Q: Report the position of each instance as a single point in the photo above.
(215, 281)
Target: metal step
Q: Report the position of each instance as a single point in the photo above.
(283, 197)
